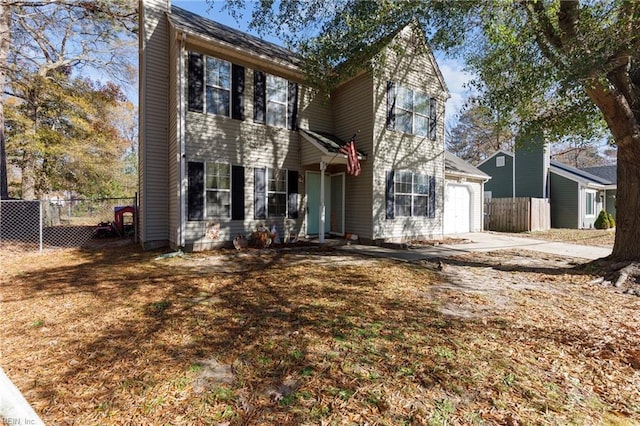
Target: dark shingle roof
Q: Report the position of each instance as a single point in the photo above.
(197, 24)
(455, 164)
(581, 174)
(609, 173)
(328, 141)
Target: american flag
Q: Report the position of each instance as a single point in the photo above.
(349, 149)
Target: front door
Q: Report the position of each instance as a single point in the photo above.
(313, 202)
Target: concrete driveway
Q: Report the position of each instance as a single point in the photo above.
(483, 242)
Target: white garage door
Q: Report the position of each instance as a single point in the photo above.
(457, 209)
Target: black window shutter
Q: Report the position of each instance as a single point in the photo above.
(237, 193)
(237, 92)
(196, 82)
(259, 97)
(292, 106)
(433, 115)
(390, 195)
(391, 105)
(292, 194)
(195, 197)
(432, 197)
(260, 196)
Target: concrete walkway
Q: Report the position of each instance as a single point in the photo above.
(482, 242)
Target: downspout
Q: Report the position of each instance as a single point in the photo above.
(181, 143)
(483, 204)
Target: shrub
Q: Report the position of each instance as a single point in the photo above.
(612, 221)
(602, 222)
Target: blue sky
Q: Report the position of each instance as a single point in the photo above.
(451, 69)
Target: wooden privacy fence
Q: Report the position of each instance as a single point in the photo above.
(520, 214)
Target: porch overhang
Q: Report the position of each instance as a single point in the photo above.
(327, 147)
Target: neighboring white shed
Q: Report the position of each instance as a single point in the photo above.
(463, 196)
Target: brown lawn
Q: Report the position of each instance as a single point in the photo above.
(587, 237)
(115, 336)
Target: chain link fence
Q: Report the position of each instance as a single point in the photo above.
(47, 224)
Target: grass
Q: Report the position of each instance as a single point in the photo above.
(114, 336)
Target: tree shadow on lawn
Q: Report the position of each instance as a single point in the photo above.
(519, 261)
(130, 330)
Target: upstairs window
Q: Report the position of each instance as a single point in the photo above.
(410, 111)
(275, 101)
(218, 86)
(215, 86)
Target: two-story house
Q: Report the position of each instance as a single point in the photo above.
(231, 138)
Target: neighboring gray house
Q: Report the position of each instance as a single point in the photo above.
(463, 196)
(231, 139)
(609, 176)
(575, 196)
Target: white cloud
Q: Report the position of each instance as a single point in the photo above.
(456, 79)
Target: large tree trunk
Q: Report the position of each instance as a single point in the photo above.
(614, 103)
(4, 53)
(627, 242)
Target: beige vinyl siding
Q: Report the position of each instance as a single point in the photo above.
(223, 139)
(314, 112)
(353, 112)
(411, 67)
(153, 167)
(309, 154)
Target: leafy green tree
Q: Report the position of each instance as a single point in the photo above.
(41, 41)
(561, 67)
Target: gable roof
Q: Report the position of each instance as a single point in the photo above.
(499, 152)
(457, 166)
(415, 26)
(200, 26)
(385, 41)
(609, 172)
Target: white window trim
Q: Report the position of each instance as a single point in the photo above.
(270, 101)
(206, 109)
(268, 171)
(500, 161)
(207, 189)
(594, 204)
(411, 194)
(413, 112)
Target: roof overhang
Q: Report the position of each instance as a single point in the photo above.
(328, 147)
(451, 173)
(586, 183)
(236, 54)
